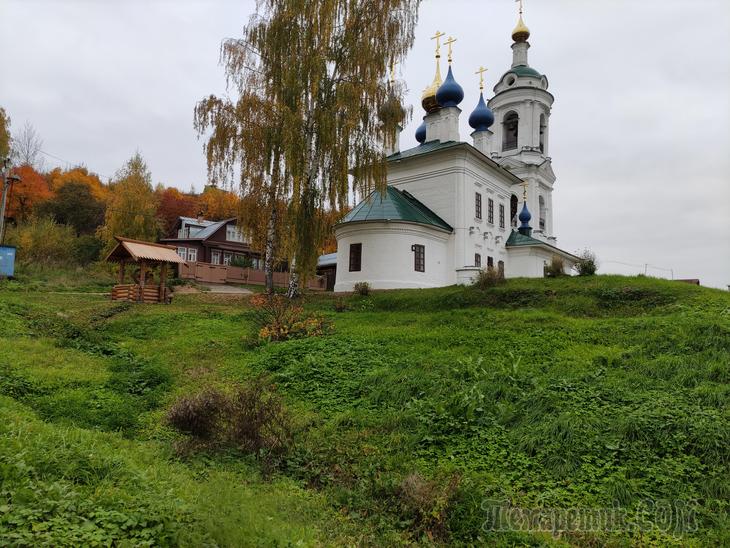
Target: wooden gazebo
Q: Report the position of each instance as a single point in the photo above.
(147, 256)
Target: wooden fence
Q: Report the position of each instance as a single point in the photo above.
(216, 273)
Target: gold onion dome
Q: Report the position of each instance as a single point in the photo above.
(428, 98)
(521, 32)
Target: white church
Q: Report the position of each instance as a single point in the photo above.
(452, 207)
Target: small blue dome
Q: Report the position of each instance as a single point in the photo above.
(482, 117)
(421, 133)
(450, 94)
(525, 216)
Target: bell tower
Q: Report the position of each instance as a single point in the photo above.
(522, 107)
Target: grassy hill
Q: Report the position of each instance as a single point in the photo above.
(426, 416)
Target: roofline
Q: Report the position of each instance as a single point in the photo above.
(372, 221)
(468, 146)
(539, 243)
(121, 239)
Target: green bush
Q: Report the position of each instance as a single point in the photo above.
(42, 241)
(86, 249)
(587, 264)
(242, 261)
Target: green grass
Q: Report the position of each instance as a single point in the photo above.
(559, 393)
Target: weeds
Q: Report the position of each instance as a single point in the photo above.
(488, 277)
(362, 288)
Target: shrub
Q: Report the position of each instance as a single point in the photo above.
(341, 305)
(555, 268)
(252, 418)
(278, 319)
(86, 249)
(42, 241)
(427, 502)
(199, 415)
(362, 288)
(488, 277)
(587, 264)
(259, 423)
(242, 262)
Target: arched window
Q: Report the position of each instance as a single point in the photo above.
(543, 129)
(513, 204)
(509, 130)
(541, 201)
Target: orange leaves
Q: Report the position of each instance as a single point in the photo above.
(58, 178)
(217, 204)
(173, 204)
(25, 195)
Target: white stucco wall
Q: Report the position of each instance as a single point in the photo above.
(447, 182)
(387, 259)
(529, 262)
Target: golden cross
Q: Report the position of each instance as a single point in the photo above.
(520, 3)
(481, 72)
(437, 37)
(448, 42)
(524, 191)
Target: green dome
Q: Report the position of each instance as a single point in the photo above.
(524, 70)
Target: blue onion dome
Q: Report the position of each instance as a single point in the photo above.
(482, 117)
(450, 94)
(525, 216)
(421, 133)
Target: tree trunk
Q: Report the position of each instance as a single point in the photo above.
(269, 252)
(293, 289)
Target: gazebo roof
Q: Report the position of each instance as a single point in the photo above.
(136, 250)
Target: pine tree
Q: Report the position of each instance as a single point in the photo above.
(312, 114)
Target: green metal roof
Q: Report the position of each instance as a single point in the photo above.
(425, 148)
(517, 239)
(394, 205)
(520, 240)
(524, 70)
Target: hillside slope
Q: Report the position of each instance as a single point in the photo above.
(427, 416)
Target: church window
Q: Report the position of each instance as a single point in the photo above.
(509, 130)
(478, 205)
(543, 128)
(490, 262)
(490, 211)
(513, 204)
(419, 257)
(355, 257)
(477, 259)
(501, 215)
(542, 213)
(500, 269)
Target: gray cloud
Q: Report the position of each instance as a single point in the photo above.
(640, 131)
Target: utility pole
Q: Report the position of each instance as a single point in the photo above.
(7, 182)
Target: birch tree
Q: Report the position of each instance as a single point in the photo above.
(312, 112)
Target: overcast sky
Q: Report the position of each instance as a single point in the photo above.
(639, 135)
